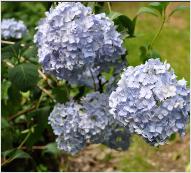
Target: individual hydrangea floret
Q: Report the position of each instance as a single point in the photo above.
(10, 28)
(151, 102)
(71, 39)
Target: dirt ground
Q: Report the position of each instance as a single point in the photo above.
(172, 157)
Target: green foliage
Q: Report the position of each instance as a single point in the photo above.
(125, 25)
(27, 98)
(24, 76)
(51, 148)
(11, 51)
(179, 8)
(147, 10)
(159, 6)
(61, 94)
(146, 53)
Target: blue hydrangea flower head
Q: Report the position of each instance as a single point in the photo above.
(71, 39)
(78, 124)
(10, 28)
(151, 101)
(64, 121)
(97, 117)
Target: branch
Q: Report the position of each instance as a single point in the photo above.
(11, 43)
(46, 91)
(22, 112)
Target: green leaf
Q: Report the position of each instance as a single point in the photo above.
(159, 6)
(40, 117)
(15, 154)
(10, 51)
(24, 76)
(114, 15)
(52, 149)
(153, 54)
(124, 23)
(21, 154)
(7, 137)
(31, 54)
(148, 11)
(14, 95)
(143, 53)
(4, 89)
(172, 137)
(41, 168)
(4, 123)
(179, 8)
(61, 94)
(146, 54)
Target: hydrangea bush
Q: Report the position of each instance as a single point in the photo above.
(76, 45)
(70, 83)
(11, 28)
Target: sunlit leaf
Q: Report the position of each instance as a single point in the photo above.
(179, 8)
(51, 148)
(147, 10)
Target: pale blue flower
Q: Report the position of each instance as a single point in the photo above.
(11, 28)
(71, 40)
(151, 102)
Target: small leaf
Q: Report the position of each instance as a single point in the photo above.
(11, 51)
(179, 8)
(24, 76)
(41, 168)
(172, 137)
(31, 54)
(8, 153)
(61, 94)
(15, 154)
(146, 54)
(52, 149)
(20, 154)
(124, 23)
(159, 6)
(154, 54)
(4, 123)
(114, 15)
(148, 11)
(40, 116)
(143, 53)
(4, 89)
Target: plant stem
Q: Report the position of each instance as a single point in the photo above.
(21, 112)
(158, 33)
(109, 6)
(25, 139)
(19, 147)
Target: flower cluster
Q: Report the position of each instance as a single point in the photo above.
(151, 102)
(71, 40)
(64, 120)
(77, 125)
(10, 28)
